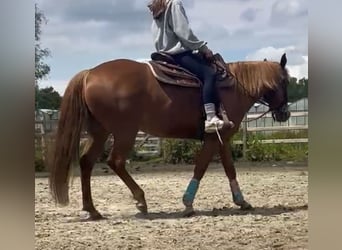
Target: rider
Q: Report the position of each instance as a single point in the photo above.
(173, 35)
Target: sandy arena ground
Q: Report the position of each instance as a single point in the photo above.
(279, 220)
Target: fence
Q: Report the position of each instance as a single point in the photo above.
(286, 126)
(150, 146)
(147, 145)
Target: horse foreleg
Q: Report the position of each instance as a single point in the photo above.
(229, 168)
(117, 162)
(202, 162)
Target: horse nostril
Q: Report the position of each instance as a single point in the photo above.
(288, 114)
(281, 116)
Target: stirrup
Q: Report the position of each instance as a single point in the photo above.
(213, 125)
(218, 133)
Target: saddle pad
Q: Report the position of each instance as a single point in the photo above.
(175, 75)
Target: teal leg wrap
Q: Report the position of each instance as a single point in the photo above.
(236, 192)
(190, 192)
(238, 198)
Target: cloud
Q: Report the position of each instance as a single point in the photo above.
(109, 24)
(58, 85)
(142, 59)
(297, 62)
(100, 27)
(84, 33)
(249, 14)
(288, 12)
(299, 71)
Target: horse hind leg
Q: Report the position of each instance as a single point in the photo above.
(123, 144)
(203, 159)
(94, 148)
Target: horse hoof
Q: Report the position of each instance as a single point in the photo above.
(189, 211)
(94, 217)
(91, 215)
(142, 208)
(246, 206)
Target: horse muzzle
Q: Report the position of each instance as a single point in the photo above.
(281, 115)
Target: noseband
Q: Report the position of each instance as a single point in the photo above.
(280, 113)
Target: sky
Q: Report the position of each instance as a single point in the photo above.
(83, 34)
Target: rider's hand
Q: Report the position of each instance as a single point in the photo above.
(208, 54)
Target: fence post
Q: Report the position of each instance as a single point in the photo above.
(160, 148)
(244, 138)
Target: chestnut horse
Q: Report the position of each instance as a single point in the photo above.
(121, 97)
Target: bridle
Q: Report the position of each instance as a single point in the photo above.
(278, 111)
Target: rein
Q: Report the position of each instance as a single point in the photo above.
(261, 101)
(253, 119)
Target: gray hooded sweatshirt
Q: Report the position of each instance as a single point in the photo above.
(172, 33)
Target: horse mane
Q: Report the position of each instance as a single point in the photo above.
(255, 76)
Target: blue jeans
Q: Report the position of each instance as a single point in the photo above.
(203, 71)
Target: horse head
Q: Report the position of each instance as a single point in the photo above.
(277, 98)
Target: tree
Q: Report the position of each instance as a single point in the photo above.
(48, 98)
(304, 83)
(41, 68)
(297, 89)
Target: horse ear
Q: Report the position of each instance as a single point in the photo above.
(283, 60)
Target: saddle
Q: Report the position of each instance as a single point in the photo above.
(166, 70)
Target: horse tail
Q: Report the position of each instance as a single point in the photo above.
(73, 113)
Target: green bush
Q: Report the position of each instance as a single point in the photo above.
(258, 151)
(177, 151)
(237, 149)
(184, 151)
(39, 164)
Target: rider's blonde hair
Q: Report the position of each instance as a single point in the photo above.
(157, 7)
